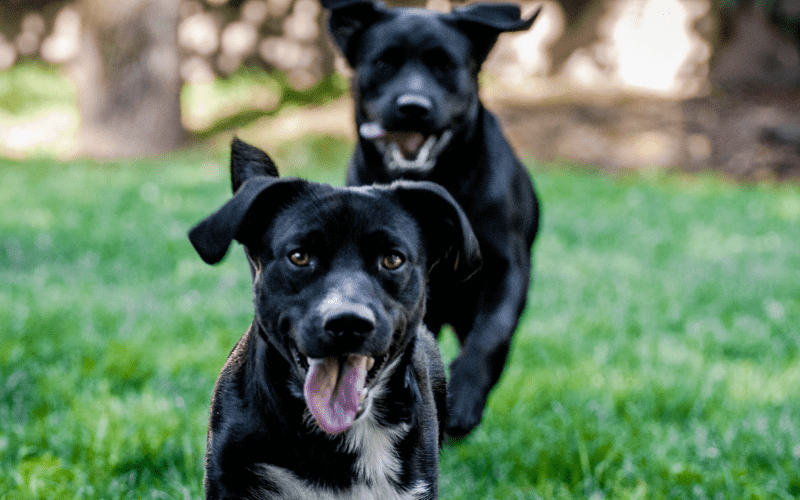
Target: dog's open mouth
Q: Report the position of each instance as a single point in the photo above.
(406, 150)
(336, 387)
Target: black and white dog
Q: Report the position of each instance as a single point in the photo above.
(337, 390)
(419, 116)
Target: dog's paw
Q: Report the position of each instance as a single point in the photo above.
(466, 399)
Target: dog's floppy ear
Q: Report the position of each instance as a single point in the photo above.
(234, 221)
(444, 224)
(247, 162)
(348, 19)
(484, 22)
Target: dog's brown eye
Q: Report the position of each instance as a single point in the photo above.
(392, 261)
(299, 258)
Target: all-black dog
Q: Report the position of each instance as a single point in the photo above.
(419, 116)
(337, 390)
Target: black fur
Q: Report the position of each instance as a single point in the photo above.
(416, 79)
(322, 290)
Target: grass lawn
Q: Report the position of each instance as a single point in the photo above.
(659, 356)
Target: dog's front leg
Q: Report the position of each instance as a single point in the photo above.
(484, 348)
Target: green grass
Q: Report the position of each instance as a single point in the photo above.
(34, 86)
(659, 356)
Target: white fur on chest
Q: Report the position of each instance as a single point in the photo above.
(376, 470)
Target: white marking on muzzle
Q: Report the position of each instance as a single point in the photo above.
(414, 99)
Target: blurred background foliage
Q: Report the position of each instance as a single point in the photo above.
(615, 83)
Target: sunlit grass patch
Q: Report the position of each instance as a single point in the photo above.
(658, 356)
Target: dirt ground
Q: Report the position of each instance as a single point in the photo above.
(747, 136)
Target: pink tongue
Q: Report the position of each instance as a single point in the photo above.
(334, 400)
(408, 142)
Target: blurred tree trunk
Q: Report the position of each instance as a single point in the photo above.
(581, 22)
(128, 79)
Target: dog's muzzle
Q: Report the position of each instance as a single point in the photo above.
(403, 151)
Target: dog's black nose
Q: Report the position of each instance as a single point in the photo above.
(414, 104)
(350, 323)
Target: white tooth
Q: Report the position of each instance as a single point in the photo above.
(397, 155)
(362, 396)
(424, 152)
(370, 363)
